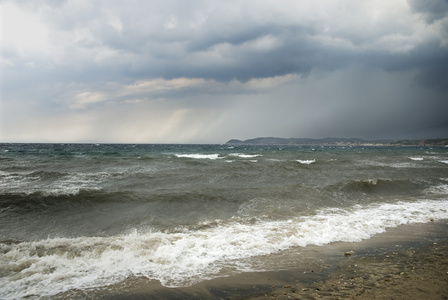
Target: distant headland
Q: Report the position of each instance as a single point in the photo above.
(337, 141)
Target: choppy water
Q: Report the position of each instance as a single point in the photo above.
(86, 215)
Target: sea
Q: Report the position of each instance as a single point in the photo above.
(85, 216)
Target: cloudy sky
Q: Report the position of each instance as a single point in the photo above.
(205, 71)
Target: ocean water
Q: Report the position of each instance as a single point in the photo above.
(80, 216)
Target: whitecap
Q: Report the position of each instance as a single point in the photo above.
(198, 156)
(245, 155)
(441, 189)
(64, 184)
(306, 162)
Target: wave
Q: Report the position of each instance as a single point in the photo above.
(216, 156)
(199, 156)
(188, 256)
(37, 201)
(241, 155)
(31, 176)
(439, 189)
(416, 158)
(53, 182)
(306, 162)
(381, 186)
(161, 209)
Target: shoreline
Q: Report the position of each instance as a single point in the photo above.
(406, 262)
(410, 273)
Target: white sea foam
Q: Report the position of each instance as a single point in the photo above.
(198, 156)
(389, 165)
(306, 162)
(184, 257)
(63, 184)
(441, 189)
(245, 155)
(444, 161)
(416, 158)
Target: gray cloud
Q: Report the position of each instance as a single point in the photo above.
(225, 45)
(431, 9)
(348, 68)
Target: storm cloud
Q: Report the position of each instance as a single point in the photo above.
(208, 71)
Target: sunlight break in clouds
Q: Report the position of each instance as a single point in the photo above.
(211, 71)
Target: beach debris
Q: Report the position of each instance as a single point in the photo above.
(349, 253)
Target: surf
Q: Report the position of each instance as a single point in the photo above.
(188, 255)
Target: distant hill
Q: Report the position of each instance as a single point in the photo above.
(428, 142)
(299, 141)
(336, 141)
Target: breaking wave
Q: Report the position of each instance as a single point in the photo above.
(186, 256)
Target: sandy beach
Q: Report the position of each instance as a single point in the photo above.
(412, 273)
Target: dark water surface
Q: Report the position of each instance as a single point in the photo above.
(86, 215)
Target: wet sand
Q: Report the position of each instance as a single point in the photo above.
(410, 262)
(412, 273)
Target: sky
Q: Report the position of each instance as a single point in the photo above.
(206, 71)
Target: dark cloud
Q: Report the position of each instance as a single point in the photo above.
(431, 60)
(227, 44)
(357, 68)
(432, 10)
